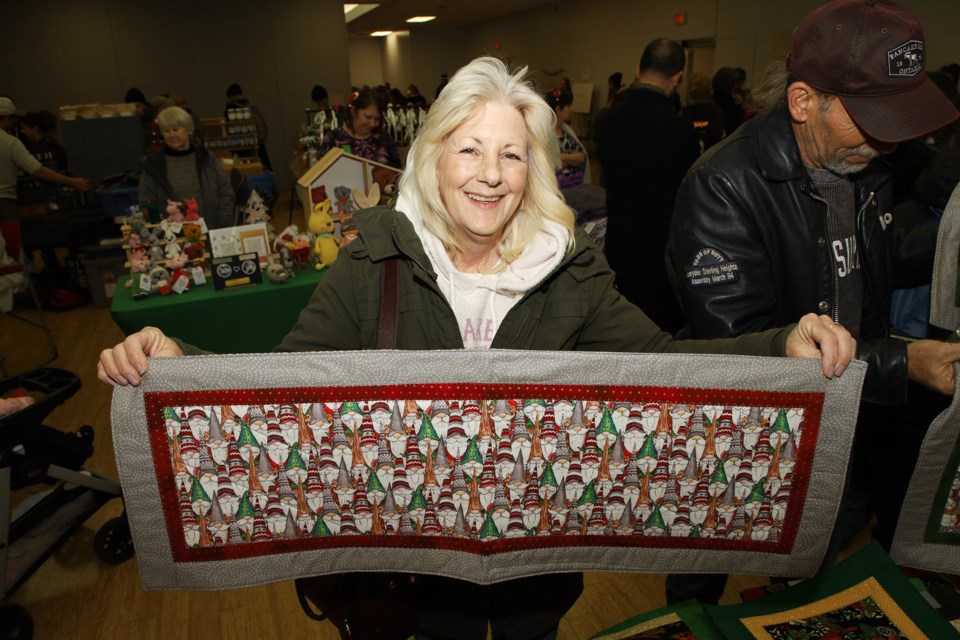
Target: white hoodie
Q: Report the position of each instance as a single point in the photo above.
(481, 301)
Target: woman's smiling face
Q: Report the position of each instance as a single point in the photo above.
(483, 173)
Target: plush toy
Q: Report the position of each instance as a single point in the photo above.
(177, 274)
(326, 245)
(194, 250)
(174, 227)
(134, 241)
(177, 262)
(140, 265)
(148, 237)
(172, 250)
(277, 273)
(318, 194)
(344, 203)
(286, 259)
(159, 277)
(387, 179)
(156, 253)
(174, 211)
(192, 231)
(192, 210)
(137, 225)
(152, 213)
(168, 235)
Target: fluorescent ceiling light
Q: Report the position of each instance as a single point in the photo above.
(421, 18)
(379, 34)
(352, 11)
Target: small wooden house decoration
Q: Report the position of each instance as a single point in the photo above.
(335, 177)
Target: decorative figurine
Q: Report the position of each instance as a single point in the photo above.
(174, 211)
(326, 245)
(192, 210)
(192, 231)
(194, 250)
(277, 273)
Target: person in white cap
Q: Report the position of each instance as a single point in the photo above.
(794, 213)
(14, 158)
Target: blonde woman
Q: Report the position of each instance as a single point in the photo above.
(487, 257)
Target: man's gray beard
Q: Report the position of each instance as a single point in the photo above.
(840, 167)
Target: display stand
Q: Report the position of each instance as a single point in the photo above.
(234, 141)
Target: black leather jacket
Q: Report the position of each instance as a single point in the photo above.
(748, 248)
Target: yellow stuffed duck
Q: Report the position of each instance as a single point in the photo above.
(327, 245)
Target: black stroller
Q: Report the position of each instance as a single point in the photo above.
(33, 453)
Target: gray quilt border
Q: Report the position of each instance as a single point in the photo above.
(909, 547)
(159, 571)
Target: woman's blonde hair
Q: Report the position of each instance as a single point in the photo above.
(483, 81)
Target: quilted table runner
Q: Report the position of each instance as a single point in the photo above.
(683, 621)
(866, 596)
(928, 532)
(481, 465)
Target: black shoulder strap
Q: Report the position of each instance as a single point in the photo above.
(387, 327)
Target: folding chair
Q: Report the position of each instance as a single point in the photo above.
(10, 230)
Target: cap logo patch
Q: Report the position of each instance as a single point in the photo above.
(906, 59)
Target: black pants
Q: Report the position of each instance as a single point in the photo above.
(522, 609)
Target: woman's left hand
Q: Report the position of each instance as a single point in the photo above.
(820, 337)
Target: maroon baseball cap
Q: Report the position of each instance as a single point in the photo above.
(871, 54)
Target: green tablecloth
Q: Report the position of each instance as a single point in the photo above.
(247, 320)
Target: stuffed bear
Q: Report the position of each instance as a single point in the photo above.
(194, 250)
(192, 231)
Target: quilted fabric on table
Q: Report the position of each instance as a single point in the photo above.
(480, 465)
(928, 532)
(865, 596)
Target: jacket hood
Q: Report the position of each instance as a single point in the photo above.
(538, 259)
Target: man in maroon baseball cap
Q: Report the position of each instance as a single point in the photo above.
(797, 212)
(872, 55)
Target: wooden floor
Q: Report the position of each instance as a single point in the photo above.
(74, 595)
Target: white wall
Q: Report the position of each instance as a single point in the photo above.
(435, 51)
(366, 61)
(398, 60)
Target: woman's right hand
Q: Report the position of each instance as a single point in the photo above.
(127, 362)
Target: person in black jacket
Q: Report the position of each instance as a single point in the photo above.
(791, 213)
(645, 148)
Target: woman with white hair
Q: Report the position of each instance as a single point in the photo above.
(185, 170)
(483, 254)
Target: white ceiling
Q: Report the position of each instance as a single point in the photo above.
(392, 14)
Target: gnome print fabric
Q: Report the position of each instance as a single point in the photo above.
(480, 465)
(928, 532)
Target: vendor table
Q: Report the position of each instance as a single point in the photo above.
(245, 320)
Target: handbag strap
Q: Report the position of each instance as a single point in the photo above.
(387, 327)
(305, 603)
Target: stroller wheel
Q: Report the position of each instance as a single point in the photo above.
(15, 623)
(113, 543)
